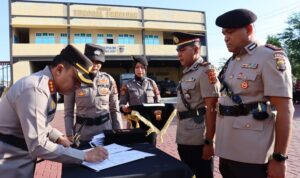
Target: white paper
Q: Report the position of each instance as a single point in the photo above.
(117, 155)
(153, 104)
(115, 148)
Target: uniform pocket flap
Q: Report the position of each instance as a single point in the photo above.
(251, 76)
(248, 124)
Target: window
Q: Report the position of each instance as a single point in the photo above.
(100, 39)
(83, 38)
(109, 39)
(63, 38)
(126, 39)
(44, 38)
(152, 40)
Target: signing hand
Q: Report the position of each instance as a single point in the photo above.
(97, 154)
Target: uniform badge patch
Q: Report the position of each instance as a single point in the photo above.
(81, 93)
(280, 61)
(102, 81)
(103, 91)
(280, 64)
(212, 76)
(244, 84)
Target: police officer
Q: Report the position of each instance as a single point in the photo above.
(27, 109)
(97, 106)
(197, 95)
(251, 141)
(139, 90)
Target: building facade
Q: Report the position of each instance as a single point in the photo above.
(39, 30)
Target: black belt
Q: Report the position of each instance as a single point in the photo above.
(92, 121)
(14, 141)
(192, 113)
(238, 110)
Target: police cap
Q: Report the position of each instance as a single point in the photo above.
(140, 59)
(184, 39)
(95, 52)
(236, 18)
(81, 63)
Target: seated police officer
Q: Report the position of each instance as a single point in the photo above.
(27, 109)
(197, 95)
(97, 106)
(253, 77)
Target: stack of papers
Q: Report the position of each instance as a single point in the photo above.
(117, 155)
(97, 140)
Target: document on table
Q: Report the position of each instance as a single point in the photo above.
(117, 155)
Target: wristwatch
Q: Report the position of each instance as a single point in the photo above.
(208, 142)
(279, 157)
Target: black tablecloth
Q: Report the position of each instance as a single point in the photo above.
(161, 165)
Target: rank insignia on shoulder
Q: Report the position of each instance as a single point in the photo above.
(250, 66)
(212, 76)
(273, 47)
(51, 87)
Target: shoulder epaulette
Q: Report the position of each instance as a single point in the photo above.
(273, 47)
(204, 64)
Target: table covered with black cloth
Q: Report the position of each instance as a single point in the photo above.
(161, 165)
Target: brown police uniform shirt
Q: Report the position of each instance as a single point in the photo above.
(255, 75)
(26, 111)
(198, 82)
(135, 94)
(92, 102)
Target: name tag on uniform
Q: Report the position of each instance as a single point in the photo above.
(192, 79)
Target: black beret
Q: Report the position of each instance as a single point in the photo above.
(184, 39)
(140, 59)
(81, 63)
(95, 52)
(236, 18)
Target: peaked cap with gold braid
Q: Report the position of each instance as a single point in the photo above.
(82, 64)
(184, 39)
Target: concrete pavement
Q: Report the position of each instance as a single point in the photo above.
(49, 169)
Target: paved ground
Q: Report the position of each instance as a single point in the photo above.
(48, 169)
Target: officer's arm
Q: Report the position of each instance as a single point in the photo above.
(156, 93)
(69, 103)
(34, 122)
(114, 107)
(285, 112)
(124, 97)
(210, 120)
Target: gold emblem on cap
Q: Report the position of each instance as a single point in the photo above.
(175, 39)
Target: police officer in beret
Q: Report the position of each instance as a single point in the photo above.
(139, 90)
(97, 106)
(27, 109)
(197, 95)
(251, 140)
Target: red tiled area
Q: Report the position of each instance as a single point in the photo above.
(49, 169)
